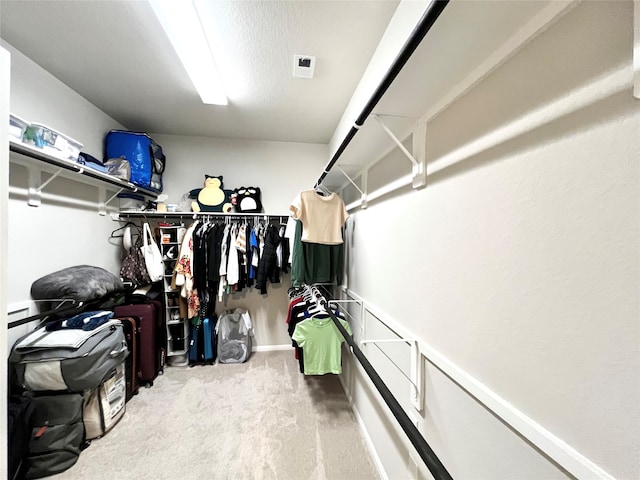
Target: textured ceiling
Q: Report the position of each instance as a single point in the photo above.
(115, 54)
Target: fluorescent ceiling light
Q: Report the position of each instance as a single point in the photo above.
(182, 25)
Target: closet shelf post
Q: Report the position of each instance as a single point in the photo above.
(419, 170)
(364, 179)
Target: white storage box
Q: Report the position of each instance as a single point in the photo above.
(17, 126)
(52, 142)
(131, 201)
(105, 405)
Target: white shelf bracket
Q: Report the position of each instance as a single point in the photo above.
(36, 185)
(636, 49)
(114, 196)
(415, 377)
(418, 167)
(102, 202)
(363, 195)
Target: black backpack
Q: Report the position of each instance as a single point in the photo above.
(19, 426)
(57, 434)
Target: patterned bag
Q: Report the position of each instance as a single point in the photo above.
(133, 267)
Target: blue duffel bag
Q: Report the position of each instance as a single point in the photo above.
(145, 157)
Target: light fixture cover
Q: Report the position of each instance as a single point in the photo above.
(181, 22)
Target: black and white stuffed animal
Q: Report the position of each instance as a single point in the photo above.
(247, 200)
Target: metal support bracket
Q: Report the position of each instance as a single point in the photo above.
(415, 377)
(350, 180)
(418, 166)
(363, 195)
(114, 196)
(36, 185)
(102, 203)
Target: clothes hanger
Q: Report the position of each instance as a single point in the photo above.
(127, 235)
(123, 228)
(322, 190)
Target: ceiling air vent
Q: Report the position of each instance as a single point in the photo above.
(304, 66)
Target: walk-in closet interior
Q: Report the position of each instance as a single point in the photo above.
(485, 288)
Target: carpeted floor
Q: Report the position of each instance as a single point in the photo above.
(259, 420)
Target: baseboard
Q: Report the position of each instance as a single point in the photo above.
(365, 433)
(270, 348)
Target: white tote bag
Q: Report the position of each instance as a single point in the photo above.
(152, 255)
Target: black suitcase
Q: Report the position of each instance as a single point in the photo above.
(132, 371)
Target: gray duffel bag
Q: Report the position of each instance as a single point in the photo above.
(68, 359)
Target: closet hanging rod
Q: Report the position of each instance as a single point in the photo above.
(425, 23)
(44, 315)
(423, 449)
(155, 214)
(77, 305)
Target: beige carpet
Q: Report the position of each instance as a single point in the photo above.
(259, 420)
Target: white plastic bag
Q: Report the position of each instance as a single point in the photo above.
(152, 255)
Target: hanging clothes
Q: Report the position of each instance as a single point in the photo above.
(214, 243)
(254, 252)
(308, 325)
(318, 247)
(268, 266)
(224, 247)
(233, 266)
(322, 217)
(321, 343)
(220, 259)
(183, 273)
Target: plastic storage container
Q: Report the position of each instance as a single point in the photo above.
(17, 126)
(52, 141)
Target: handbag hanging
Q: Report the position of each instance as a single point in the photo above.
(152, 255)
(134, 268)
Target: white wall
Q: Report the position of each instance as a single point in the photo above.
(5, 79)
(519, 264)
(280, 169)
(55, 235)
